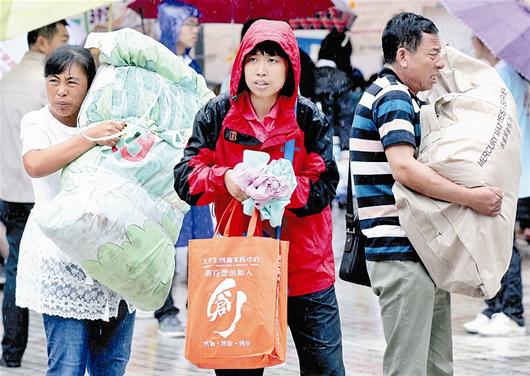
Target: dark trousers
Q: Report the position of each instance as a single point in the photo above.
(15, 319)
(315, 325)
(509, 299)
(168, 308)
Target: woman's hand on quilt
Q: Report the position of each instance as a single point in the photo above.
(106, 129)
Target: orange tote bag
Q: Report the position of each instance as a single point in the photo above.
(237, 300)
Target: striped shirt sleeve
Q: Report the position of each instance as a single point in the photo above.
(394, 117)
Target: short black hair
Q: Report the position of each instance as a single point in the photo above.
(405, 30)
(47, 32)
(272, 49)
(64, 57)
(336, 46)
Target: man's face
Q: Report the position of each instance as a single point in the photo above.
(265, 75)
(189, 33)
(424, 65)
(60, 38)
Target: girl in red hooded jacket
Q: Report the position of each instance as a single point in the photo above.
(260, 115)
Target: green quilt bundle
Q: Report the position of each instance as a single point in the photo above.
(117, 214)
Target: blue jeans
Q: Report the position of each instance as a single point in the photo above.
(103, 348)
(315, 325)
(15, 319)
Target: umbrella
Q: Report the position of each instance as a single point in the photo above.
(503, 26)
(18, 16)
(330, 19)
(239, 11)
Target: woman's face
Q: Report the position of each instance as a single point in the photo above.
(66, 92)
(265, 75)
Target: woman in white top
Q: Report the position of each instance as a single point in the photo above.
(88, 326)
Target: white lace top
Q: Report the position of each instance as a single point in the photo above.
(47, 281)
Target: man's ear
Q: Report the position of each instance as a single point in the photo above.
(402, 57)
(41, 45)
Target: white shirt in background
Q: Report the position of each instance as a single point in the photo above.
(22, 90)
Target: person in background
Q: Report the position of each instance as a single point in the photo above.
(87, 326)
(372, 78)
(263, 112)
(336, 95)
(179, 27)
(333, 84)
(503, 315)
(22, 90)
(416, 314)
(307, 75)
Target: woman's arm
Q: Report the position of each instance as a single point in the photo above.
(42, 162)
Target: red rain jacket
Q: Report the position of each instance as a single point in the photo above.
(227, 126)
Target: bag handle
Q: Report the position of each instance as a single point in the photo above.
(230, 210)
(289, 155)
(252, 224)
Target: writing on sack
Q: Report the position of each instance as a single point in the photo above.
(501, 131)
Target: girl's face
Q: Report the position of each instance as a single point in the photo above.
(66, 92)
(265, 75)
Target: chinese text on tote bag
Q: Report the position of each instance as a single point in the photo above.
(237, 293)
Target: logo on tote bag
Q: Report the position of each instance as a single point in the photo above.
(220, 304)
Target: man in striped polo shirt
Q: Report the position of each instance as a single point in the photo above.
(416, 314)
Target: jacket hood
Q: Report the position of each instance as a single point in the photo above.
(267, 30)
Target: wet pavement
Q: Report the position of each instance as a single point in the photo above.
(363, 340)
